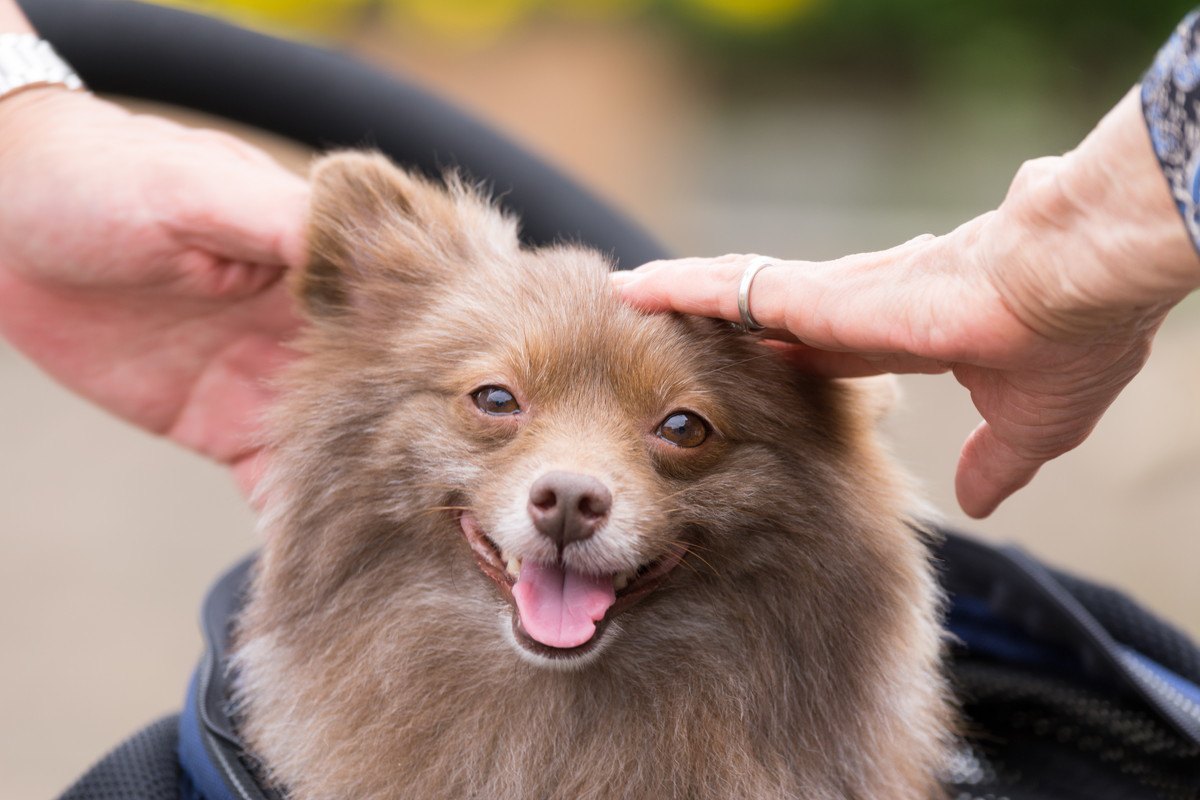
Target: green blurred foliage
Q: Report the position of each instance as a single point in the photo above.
(1047, 46)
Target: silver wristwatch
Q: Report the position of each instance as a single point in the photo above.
(27, 61)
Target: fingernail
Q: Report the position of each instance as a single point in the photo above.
(620, 279)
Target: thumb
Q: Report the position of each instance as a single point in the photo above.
(989, 470)
(246, 211)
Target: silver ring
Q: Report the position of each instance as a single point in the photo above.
(749, 324)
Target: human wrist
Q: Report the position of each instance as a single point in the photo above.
(1091, 242)
(24, 114)
(27, 117)
(30, 62)
(1115, 177)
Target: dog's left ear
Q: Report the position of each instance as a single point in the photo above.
(378, 234)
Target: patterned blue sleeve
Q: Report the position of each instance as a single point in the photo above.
(1171, 105)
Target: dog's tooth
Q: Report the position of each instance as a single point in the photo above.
(620, 581)
(514, 567)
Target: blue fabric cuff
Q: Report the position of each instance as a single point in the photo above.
(1171, 106)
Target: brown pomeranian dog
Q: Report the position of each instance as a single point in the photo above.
(525, 542)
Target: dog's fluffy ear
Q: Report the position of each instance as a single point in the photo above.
(378, 233)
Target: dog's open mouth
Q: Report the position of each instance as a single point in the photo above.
(559, 612)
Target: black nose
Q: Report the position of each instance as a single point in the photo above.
(568, 507)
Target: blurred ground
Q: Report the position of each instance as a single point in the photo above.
(108, 537)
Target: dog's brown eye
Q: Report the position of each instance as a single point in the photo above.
(496, 400)
(683, 429)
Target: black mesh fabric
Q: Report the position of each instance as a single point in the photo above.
(1131, 625)
(143, 767)
(1033, 737)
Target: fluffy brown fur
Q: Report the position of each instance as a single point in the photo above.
(794, 653)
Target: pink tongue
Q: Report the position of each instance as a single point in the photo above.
(558, 607)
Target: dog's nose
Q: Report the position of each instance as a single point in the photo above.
(568, 507)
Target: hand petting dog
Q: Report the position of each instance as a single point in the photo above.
(140, 264)
(1043, 309)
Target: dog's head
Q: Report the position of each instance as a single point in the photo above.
(493, 422)
(506, 508)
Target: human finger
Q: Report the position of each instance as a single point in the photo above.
(871, 302)
(989, 471)
(249, 211)
(655, 286)
(687, 285)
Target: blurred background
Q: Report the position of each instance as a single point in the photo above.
(798, 128)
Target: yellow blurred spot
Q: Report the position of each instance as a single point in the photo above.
(318, 16)
(466, 19)
(757, 14)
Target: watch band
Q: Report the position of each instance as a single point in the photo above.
(27, 61)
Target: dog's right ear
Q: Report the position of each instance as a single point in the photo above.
(378, 234)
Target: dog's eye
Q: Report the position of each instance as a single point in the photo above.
(683, 429)
(496, 400)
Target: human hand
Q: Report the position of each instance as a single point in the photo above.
(140, 264)
(1043, 309)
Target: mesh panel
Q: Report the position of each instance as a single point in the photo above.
(143, 767)
(1031, 737)
(1130, 624)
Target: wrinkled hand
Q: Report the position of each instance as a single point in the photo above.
(140, 265)
(1043, 309)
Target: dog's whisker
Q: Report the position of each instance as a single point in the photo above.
(690, 549)
(692, 567)
(693, 547)
(677, 493)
